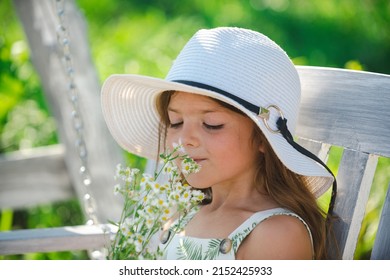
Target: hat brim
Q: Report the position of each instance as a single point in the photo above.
(128, 104)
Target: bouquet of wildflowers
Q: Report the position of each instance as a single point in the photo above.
(148, 205)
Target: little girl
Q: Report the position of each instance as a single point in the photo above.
(227, 99)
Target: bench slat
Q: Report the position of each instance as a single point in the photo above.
(321, 150)
(86, 237)
(381, 250)
(37, 176)
(354, 179)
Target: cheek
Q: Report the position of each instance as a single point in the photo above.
(228, 142)
(238, 147)
(224, 148)
(170, 139)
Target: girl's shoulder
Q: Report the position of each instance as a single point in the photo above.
(280, 233)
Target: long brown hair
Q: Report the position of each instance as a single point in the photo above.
(286, 188)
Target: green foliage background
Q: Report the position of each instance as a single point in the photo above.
(144, 36)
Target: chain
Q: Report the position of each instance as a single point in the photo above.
(77, 121)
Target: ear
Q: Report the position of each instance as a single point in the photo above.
(261, 148)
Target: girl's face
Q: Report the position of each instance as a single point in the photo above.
(217, 138)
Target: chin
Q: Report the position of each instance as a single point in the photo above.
(197, 183)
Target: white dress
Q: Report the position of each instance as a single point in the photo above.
(182, 247)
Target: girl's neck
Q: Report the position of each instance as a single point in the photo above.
(242, 196)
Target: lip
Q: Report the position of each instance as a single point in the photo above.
(199, 160)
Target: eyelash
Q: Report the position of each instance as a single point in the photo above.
(213, 127)
(210, 127)
(175, 125)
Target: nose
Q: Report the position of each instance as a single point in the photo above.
(189, 136)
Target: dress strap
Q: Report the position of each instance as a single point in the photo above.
(240, 233)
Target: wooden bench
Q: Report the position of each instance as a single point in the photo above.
(349, 109)
(343, 108)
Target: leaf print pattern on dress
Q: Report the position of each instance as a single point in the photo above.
(190, 250)
(213, 249)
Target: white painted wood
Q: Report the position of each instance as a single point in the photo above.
(381, 250)
(345, 108)
(86, 237)
(321, 150)
(33, 177)
(360, 207)
(40, 23)
(348, 109)
(354, 180)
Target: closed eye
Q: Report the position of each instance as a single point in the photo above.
(213, 127)
(175, 125)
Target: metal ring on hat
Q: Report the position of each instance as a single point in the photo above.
(265, 118)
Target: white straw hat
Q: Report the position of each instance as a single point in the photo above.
(238, 66)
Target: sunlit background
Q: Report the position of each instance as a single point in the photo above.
(144, 36)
